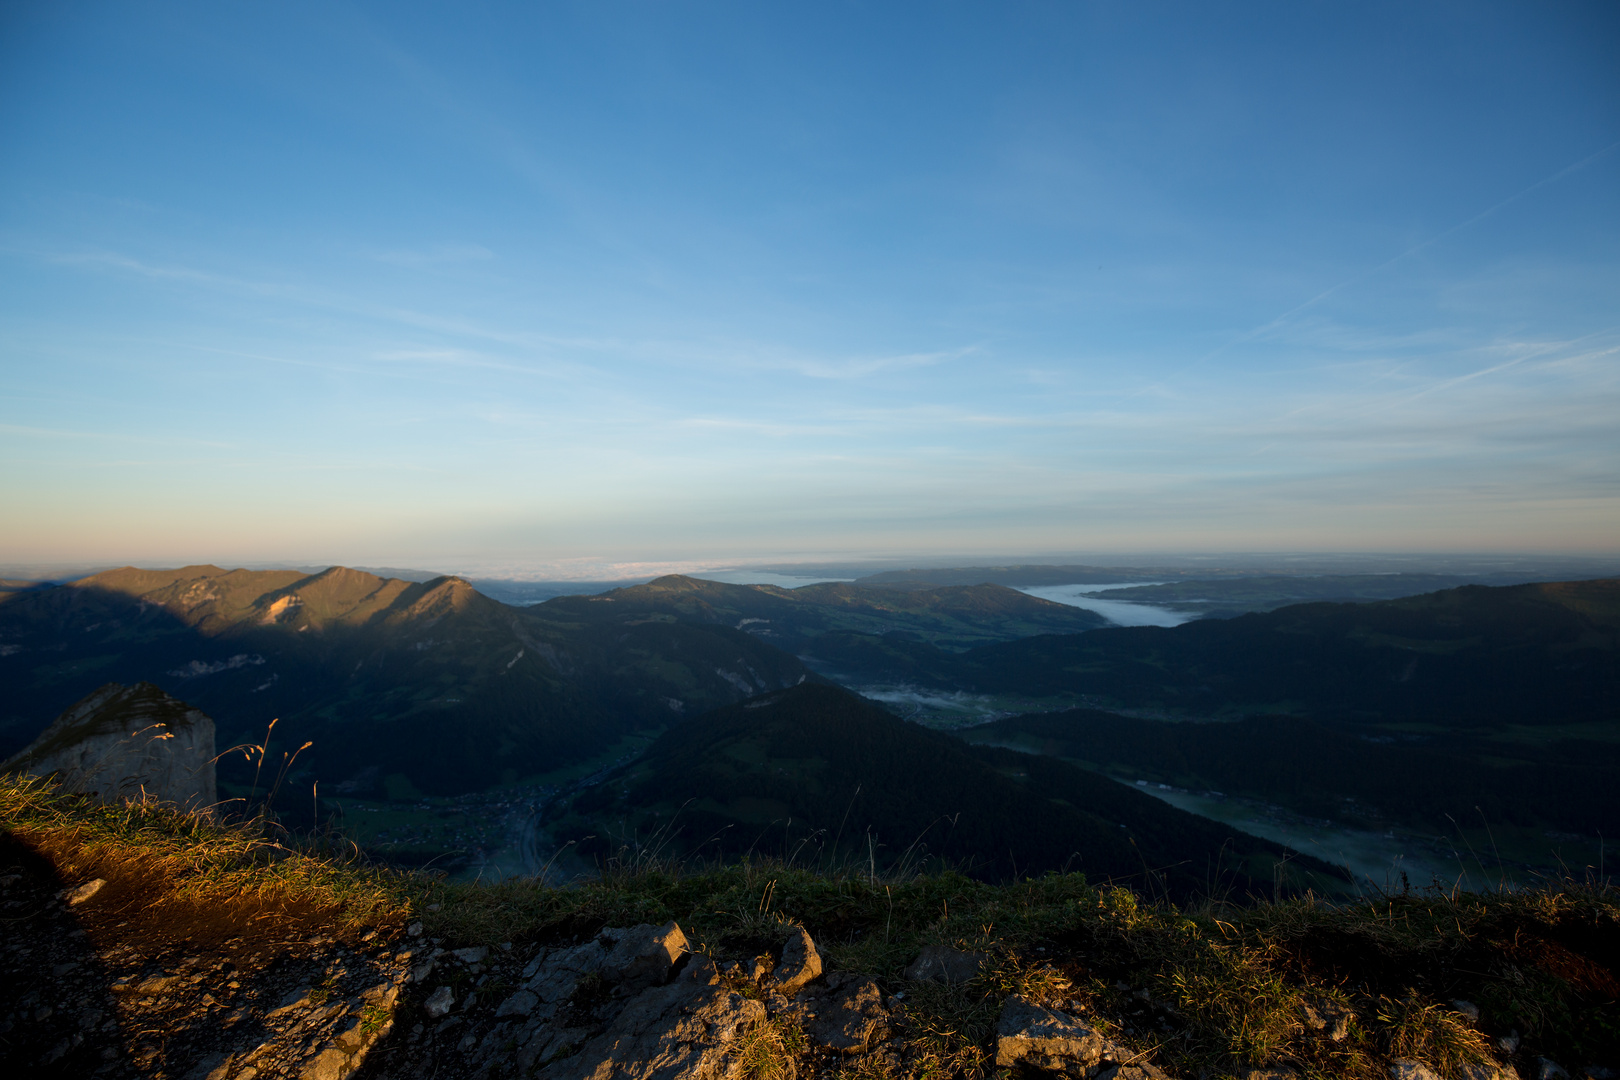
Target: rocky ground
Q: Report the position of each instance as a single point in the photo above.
(80, 997)
(92, 985)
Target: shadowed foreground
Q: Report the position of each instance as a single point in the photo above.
(209, 951)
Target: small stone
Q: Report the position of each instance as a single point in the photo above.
(473, 955)
(1406, 1069)
(1277, 1072)
(75, 897)
(1468, 1009)
(1509, 1043)
(414, 930)
(1548, 1069)
(440, 1002)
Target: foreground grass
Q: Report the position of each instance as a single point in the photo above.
(1213, 991)
(189, 868)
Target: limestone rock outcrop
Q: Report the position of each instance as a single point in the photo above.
(128, 742)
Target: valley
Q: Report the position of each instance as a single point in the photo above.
(453, 731)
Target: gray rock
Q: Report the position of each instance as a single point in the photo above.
(1509, 1043)
(474, 955)
(800, 963)
(852, 1019)
(440, 1001)
(938, 963)
(642, 955)
(521, 1003)
(1271, 1072)
(682, 1031)
(1030, 1036)
(1468, 1009)
(1406, 1069)
(1548, 1069)
(128, 742)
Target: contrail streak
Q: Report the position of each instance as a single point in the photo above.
(1365, 274)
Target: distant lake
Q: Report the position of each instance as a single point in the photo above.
(1118, 612)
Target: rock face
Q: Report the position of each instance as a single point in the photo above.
(128, 742)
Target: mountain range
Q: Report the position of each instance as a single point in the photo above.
(431, 683)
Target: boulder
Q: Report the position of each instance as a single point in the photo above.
(937, 963)
(1032, 1037)
(128, 742)
(642, 955)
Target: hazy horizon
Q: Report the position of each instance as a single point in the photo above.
(575, 287)
(763, 569)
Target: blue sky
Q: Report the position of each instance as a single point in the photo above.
(549, 287)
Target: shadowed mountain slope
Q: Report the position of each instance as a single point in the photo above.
(1477, 655)
(430, 681)
(819, 770)
(951, 617)
(1328, 773)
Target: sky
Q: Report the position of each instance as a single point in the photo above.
(546, 288)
